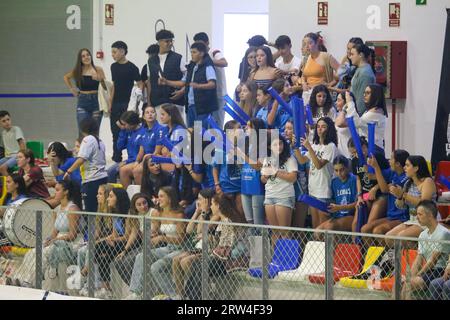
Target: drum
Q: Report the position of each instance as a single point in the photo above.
(19, 222)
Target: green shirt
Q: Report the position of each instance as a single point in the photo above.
(363, 77)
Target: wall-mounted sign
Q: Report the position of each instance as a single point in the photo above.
(322, 13)
(109, 14)
(421, 2)
(394, 14)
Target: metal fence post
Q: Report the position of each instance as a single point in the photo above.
(38, 249)
(397, 269)
(147, 277)
(205, 262)
(329, 282)
(265, 264)
(91, 255)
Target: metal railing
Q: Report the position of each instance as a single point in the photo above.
(220, 261)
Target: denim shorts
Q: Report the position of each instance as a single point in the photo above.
(284, 202)
(88, 102)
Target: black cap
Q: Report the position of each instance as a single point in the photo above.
(257, 41)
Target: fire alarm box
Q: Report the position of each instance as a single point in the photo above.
(99, 54)
(390, 67)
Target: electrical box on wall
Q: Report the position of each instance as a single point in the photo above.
(390, 66)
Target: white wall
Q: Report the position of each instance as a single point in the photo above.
(134, 23)
(221, 7)
(422, 26)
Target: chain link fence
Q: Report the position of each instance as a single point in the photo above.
(117, 257)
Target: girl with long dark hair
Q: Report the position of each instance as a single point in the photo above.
(61, 159)
(321, 155)
(420, 186)
(265, 72)
(87, 78)
(279, 173)
(106, 249)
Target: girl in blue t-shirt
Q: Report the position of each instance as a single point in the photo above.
(130, 134)
(277, 116)
(176, 131)
(344, 197)
(152, 134)
(252, 189)
(226, 171)
(394, 176)
(264, 100)
(106, 249)
(60, 159)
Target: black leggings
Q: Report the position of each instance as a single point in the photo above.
(104, 254)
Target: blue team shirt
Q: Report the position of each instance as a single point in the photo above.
(207, 171)
(343, 193)
(251, 181)
(119, 226)
(394, 213)
(129, 139)
(19, 197)
(177, 134)
(152, 136)
(280, 118)
(229, 175)
(74, 176)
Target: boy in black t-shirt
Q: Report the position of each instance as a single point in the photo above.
(124, 73)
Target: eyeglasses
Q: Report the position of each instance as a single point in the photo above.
(366, 93)
(167, 40)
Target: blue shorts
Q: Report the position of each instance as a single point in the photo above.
(283, 202)
(8, 161)
(430, 275)
(338, 215)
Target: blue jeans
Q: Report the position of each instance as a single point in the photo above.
(440, 289)
(137, 277)
(88, 107)
(113, 173)
(193, 116)
(219, 114)
(253, 208)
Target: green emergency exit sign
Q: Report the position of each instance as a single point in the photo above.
(421, 2)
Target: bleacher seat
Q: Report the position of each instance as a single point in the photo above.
(37, 147)
(313, 262)
(346, 262)
(286, 256)
(133, 189)
(360, 281)
(386, 284)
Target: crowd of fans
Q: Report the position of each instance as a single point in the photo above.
(397, 196)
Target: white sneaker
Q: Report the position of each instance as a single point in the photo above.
(133, 296)
(84, 292)
(52, 273)
(103, 293)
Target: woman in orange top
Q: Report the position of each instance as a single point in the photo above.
(319, 68)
